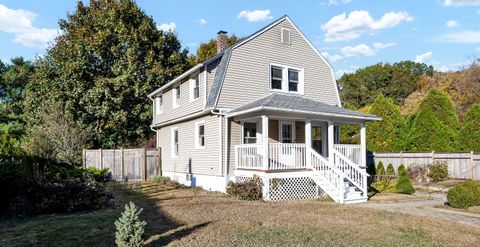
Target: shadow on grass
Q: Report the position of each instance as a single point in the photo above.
(172, 235)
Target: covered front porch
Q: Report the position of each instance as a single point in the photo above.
(292, 143)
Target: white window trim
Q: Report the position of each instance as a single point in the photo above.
(285, 68)
(191, 83)
(257, 134)
(172, 139)
(197, 137)
(289, 38)
(158, 110)
(175, 101)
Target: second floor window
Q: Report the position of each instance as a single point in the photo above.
(194, 88)
(176, 96)
(277, 78)
(287, 79)
(158, 104)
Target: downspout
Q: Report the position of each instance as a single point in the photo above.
(225, 143)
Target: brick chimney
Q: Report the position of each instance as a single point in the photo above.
(222, 41)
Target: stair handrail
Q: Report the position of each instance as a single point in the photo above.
(334, 176)
(354, 174)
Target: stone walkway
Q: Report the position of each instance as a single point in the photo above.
(424, 208)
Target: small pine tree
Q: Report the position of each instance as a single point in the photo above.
(402, 171)
(380, 170)
(404, 186)
(470, 131)
(390, 170)
(130, 228)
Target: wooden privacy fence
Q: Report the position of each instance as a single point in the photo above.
(460, 165)
(125, 164)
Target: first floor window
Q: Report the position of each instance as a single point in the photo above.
(200, 135)
(175, 146)
(249, 133)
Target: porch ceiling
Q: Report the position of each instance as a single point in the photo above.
(290, 105)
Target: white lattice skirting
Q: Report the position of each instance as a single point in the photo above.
(287, 188)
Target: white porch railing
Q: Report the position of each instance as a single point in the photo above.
(356, 175)
(286, 156)
(249, 156)
(351, 152)
(332, 175)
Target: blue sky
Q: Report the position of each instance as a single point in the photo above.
(350, 33)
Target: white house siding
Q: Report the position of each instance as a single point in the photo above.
(203, 161)
(234, 139)
(186, 107)
(247, 76)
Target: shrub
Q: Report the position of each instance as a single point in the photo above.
(419, 173)
(390, 170)
(438, 172)
(464, 195)
(404, 186)
(385, 185)
(130, 228)
(380, 170)
(248, 190)
(402, 171)
(161, 179)
(100, 175)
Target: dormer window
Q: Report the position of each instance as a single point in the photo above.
(286, 79)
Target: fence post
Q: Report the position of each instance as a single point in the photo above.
(143, 163)
(472, 165)
(401, 157)
(101, 158)
(84, 158)
(433, 157)
(159, 162)
(122, 165)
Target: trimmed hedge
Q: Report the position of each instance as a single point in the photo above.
(438, 172)
(464, 195)
(390, 170)
(380, 170)
(402, 171)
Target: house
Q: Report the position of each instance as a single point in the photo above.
(266, 106)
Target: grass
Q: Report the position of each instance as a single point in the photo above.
(395, 197)
(185, 217)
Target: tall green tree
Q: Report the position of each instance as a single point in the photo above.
(469, 137)
(386, 135)
(13, 80)
(442, 107)
(209, 49)
(109, 56)
(429, 133)
(395, 81)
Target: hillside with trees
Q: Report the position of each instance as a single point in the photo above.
(422, 109)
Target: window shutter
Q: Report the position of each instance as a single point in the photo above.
(285, 36)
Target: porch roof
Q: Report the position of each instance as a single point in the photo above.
(284, 102)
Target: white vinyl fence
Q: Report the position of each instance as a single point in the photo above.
(125, 164)
(460, 165)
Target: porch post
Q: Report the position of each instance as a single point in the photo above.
(265, 141)
(363, 144)
(308, 140)
(330, 137)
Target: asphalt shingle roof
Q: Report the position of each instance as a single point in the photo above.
(292, 102)
(218, 79)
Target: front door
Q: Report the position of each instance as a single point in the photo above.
(287, 136)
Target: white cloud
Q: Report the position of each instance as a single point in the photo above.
(461, 2)
(201, 21)
(255, 15)
(331, 58)
(344, 28)
(167, 27)
(20, 23)
(422, 58)
(464, 37)
(452, 24)
(337, 2)
(359, 50)
(382, 45)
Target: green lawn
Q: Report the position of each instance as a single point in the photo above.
(180, 216)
